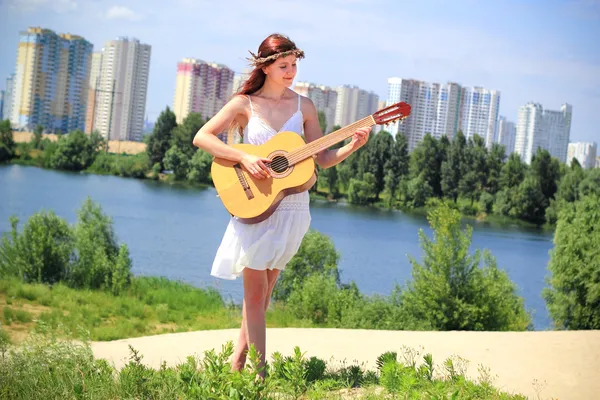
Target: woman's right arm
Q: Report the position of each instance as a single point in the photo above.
(207, 140)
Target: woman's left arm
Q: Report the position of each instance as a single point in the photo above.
(312, 131)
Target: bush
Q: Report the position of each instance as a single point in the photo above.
(84, 256)
(76, 151)
(178, 162)
(450, 291)
(316, 255)
(41, 253)
(486, 202)
(360, 191)
(573, 297)
(199, 167)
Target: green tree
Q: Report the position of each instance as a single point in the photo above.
(159, 142)
(452, 167)
(199, 167)
(530, 203)
(417, 191)
(547, 170)
(495, 160)
(449, 290)
(7, 143)
(41, 252)
(120, 277)
(573, 297)
(331, 176)
(178, 162)
(590, 183)
(361, 191)
(316, 256)
(474, 171)
(345, 172)
(396, 167)
(183, 134)
(99, 262)
(76, 151)
(568, 191)
(376, 157)
(513, 172)
(322, 121)
(37, 136)
(426, 159)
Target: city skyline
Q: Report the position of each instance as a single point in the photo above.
(542, 66)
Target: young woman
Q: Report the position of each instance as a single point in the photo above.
(258, 252)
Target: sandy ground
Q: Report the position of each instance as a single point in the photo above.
(540, 365)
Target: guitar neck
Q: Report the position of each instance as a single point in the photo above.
(327, 141)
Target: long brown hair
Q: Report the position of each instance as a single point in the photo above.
(273, 44)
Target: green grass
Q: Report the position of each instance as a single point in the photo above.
(46, 368)
(150, 306)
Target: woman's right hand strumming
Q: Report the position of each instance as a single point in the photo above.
(256, 166)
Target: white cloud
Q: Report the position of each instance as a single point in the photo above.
(120, 12)
(59, 6)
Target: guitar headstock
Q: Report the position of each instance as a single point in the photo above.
(392, 113)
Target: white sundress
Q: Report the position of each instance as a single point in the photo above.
(273, 242)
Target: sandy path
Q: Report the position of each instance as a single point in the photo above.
(566, 365)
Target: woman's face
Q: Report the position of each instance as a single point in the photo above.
(282, 71)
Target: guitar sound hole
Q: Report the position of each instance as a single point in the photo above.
(279, 164)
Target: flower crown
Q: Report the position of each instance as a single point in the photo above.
(256, 61)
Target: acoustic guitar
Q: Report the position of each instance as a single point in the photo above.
(292, 167)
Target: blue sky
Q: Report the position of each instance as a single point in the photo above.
(543, 51)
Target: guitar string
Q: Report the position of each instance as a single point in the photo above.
(328, 141)
(306, 152)
(296, 157)
(367, 121)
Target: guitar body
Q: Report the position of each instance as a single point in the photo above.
(254, 200)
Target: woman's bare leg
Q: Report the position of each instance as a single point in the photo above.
(239, 356)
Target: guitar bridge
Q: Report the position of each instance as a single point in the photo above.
(243, 181)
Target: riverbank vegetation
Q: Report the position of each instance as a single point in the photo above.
(78, 277)
(480, 182)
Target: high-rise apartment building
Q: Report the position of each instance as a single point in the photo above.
(443, 109)
(8, 97)
(201, 87)
(50, 84)
(93, 91)
(324, 98)
(507, 132)
(2, 95)
(121, 90)
(546, 129)
(353, 104)
(239, 79)
(585, 153)
(435, 108)
(479, 113)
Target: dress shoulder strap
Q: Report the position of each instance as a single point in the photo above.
(298, 101)
(250, 101)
